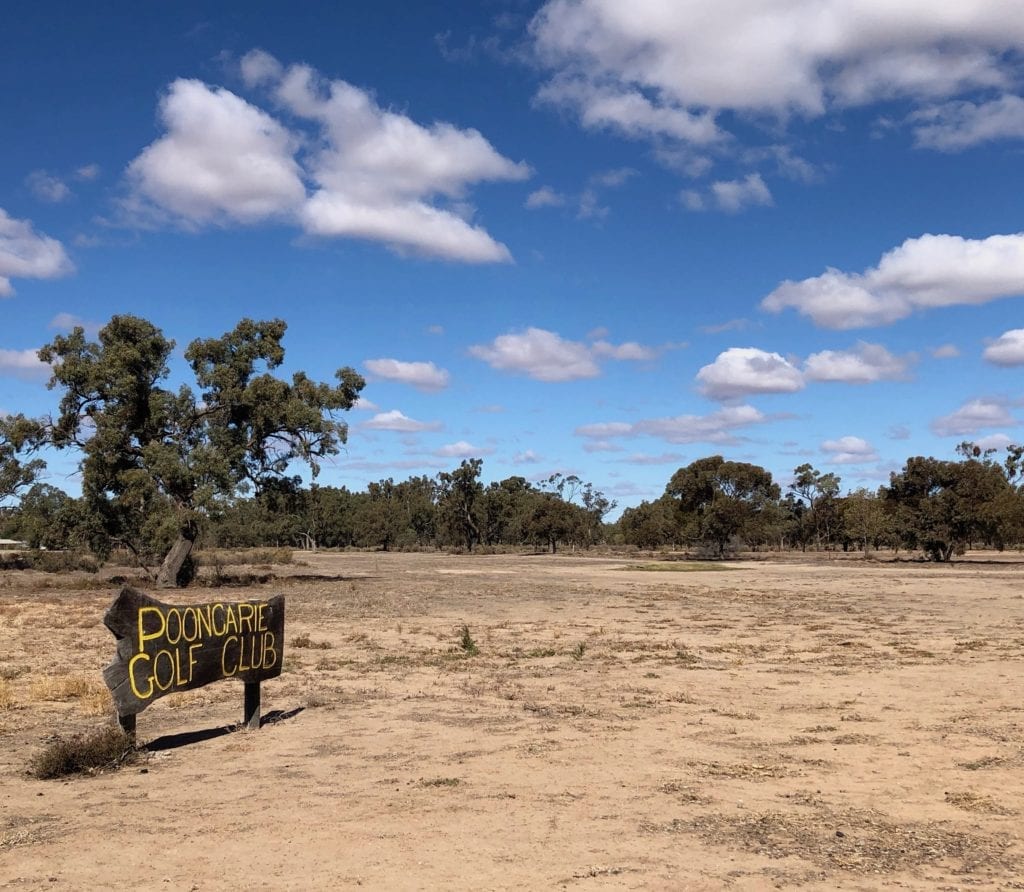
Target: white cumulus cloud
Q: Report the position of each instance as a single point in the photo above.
(27, 254)
(422, 375)
(864, 364)
(538, 354)
(849, 451)
(741, 371)
(343, 167)
(378, 173)
(922, 273)
(666, 69)
(973, 416)
(993, 441)
(546, 356)
(1007, 349)
(221, 160)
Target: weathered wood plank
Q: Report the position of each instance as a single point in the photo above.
(165, 648)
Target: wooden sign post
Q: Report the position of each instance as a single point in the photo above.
(163, 649)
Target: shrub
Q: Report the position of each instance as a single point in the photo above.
(466, 642)
(303, 640)
(49, 561)
(105, 749)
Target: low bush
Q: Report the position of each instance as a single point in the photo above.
(49, 561)
(105, 749)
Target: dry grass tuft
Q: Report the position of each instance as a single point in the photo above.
(60, 688)
(6, 694)
(678, 567)
(440, 782)
(303, 640)
(105, 749)
(977, 802)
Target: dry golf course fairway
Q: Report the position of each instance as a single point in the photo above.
(783, 724)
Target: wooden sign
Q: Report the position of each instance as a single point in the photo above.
(164, 649)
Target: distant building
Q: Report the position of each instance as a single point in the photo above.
(12, 545)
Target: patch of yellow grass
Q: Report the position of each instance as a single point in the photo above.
(6, 694)
(187, 699)
(97, 702)
(60, 688)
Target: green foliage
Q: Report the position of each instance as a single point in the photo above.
(18, 434)
(942, 506)
(650, 524)
(460, 500)
(867, 521)
(718, 499)
(156, 462)
(49, 561)
(818, 491)
(466, 643)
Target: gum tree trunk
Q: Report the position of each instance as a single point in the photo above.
(176, 557)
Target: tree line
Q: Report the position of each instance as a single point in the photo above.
(934, 506)
(162, 469)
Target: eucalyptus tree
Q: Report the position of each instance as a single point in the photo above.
(819, 490)
(155, 461)
(718, 499)
(18, 435)
(460, 502)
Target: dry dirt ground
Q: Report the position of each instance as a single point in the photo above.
(814, 725)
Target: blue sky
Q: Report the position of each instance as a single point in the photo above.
(581, 236)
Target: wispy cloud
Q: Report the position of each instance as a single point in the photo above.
(394, 420)
(23, 364)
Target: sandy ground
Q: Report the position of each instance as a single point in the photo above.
(814, 725)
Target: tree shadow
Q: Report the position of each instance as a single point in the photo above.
(187, 738)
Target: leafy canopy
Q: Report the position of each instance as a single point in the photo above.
(169, 455)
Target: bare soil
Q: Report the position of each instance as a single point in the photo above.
(799, 724)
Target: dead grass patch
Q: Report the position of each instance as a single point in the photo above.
(741, 770)
(977, 802)
(61, 688)
(26, 831)
(440, 782)
(678, 567)
(858, 841)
